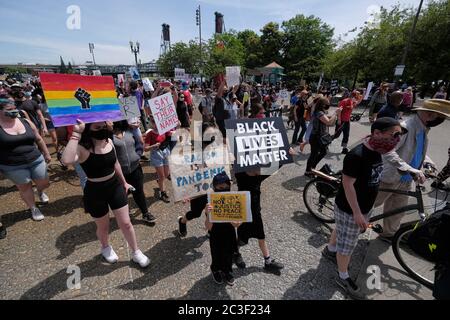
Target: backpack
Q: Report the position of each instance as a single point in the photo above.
(430, 238)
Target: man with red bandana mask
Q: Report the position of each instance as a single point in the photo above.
(408, 157)
(354, 202)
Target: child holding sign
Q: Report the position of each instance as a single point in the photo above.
(222, 238)
(159, 156)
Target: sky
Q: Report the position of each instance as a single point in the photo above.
(38, 31)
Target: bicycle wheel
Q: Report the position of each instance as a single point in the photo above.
(417, 267)
(318, 197)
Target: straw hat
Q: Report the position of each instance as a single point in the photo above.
(436, 105)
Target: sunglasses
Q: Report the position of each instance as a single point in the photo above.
(397, 134)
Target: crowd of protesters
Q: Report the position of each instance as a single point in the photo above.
(107, 157)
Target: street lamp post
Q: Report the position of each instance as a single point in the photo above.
(401, 67)
(91, 49)
(135, 49)
(199, 24)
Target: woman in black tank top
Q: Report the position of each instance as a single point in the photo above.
(20, 160)
(106, 188)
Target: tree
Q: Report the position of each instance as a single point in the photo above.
(271, 43)
(182, 55)
(224, 50)
(252, 48)
(306, 42)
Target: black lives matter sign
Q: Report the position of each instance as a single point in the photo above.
(258, 143)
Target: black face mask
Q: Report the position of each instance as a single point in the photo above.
(102, 134)
(435, 122)
(12, 113)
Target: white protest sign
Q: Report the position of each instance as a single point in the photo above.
(233, 76)
(129, 107)
(369, 88)
(96, 72)
(164, 113)
(283, 98)
(121, 80)
(192, 173)
(180, 74)
(148, 86)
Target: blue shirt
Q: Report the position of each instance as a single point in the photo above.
(388, 111)
(294, 99)
(417, 158)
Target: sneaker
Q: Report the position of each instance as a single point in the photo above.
(182, 227)
(36, 214)
(273, 265)
(148, 217)
(141, 259)
(329, 255)
(238, 261)
(43, 198)
(350, 288)
(164, 197)
(344, 151)
(217, 277)
(109, 255)
(2, 232)
(229, 279)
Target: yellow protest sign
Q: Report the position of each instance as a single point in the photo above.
(230, 207)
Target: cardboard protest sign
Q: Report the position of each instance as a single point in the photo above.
(148, 86)
(134, 73)
(368, 90)
(129, 107)
(192, 173)
(233, 76)
(230, 207)
(88, 98)
(258, 143)
(164, 112)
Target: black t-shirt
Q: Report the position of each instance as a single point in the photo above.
(301, 108)
(319, 128)
(366, 166)
(182, 114)
(31, 107)
(219, 109)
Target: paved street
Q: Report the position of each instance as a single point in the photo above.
(35, 255)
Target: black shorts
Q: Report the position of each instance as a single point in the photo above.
(253, 229)
(100, 196)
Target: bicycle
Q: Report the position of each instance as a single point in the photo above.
(326, 185)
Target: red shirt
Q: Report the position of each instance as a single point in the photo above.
(346, 106)
(188, 97)
(153, 137)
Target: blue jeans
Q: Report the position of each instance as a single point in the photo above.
(80, 172)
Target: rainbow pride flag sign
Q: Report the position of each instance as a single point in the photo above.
(88, 98)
